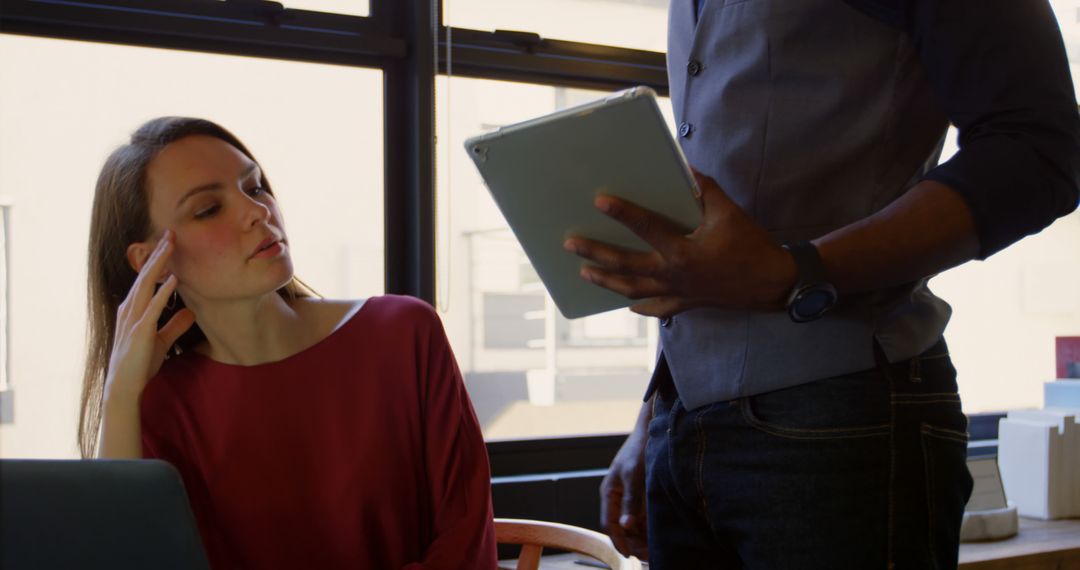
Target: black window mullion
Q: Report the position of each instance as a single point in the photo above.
(554, 454)
(409, 132)
(525, 57)
(208, 26)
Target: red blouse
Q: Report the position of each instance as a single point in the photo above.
(362, 451)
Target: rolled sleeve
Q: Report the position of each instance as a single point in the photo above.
(1000, 72)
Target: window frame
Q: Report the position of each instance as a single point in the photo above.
(396, 38)
(7, 403)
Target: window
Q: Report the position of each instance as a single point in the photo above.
(530, 372)
(64, 92)
(351, 7)
(1007, 311)
(339, 200)
(7, 404)
(637, 24)
(66, 105)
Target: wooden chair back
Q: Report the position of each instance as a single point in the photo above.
(534, 536)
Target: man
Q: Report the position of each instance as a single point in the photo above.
(804, 411)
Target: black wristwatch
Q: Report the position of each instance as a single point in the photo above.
(812, 294)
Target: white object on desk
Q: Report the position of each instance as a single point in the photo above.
(996, 524)
(1062, 393)
(1039, 458)
(987, 493)
(987, 515)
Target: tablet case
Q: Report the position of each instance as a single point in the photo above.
(545, 173)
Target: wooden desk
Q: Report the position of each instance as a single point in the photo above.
(1051, 545)
(1041, 545)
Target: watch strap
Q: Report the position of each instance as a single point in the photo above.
(808, 264)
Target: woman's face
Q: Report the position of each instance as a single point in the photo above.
(230, 242)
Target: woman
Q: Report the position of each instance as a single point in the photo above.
(310, 433)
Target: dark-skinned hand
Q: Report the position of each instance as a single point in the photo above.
(728, 261)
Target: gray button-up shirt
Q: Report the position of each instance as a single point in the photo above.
(811, 115)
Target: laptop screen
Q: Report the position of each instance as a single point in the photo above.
(115, 514)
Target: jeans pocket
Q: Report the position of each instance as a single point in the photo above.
(853, 405)
(948, 487)
(930, 373)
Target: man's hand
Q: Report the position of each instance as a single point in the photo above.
(728, 261)
(622, 494)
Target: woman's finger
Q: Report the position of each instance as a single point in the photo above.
(177, 326)
(134, 301)
(159, 300)
(152, 270)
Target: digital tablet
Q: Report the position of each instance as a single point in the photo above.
(545, 173)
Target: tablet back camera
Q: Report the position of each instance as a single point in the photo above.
(480, 153)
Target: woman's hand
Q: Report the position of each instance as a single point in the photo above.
(139, 348)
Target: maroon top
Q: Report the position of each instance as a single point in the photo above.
(362, 451)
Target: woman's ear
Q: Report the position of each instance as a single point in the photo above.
(137, 254)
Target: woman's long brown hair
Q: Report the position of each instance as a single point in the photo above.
(121, 217)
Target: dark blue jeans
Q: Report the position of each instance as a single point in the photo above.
(861, 471)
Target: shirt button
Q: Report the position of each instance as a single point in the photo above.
(693, 68)
(685, 129)
(665, 322)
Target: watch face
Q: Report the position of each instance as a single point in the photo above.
(812, 303)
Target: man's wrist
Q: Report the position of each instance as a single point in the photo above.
(783, 274)
(813, 294)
